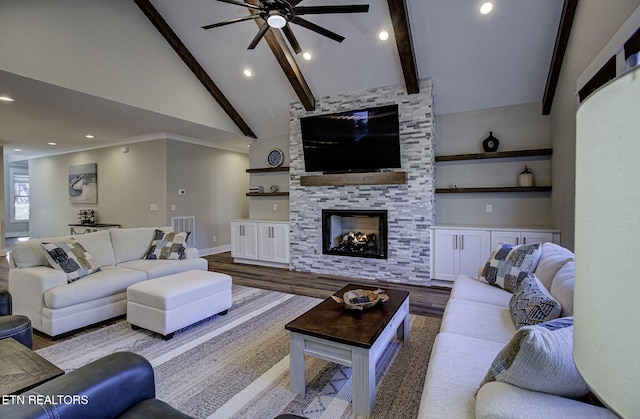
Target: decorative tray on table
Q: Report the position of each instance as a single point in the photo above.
(361, 299)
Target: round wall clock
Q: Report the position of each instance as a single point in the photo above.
(275, 158)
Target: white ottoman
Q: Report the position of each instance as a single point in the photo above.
(164, 305)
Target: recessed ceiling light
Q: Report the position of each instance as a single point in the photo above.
(383, 35)
(89, 136)
(17, 149)
(306, 56)
(486, 8)
(51, 143)
(247, 72)
(7, 99)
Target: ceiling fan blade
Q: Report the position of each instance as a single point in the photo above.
(318, 29)
(228, 22)
(321, 10)
(240, 3)
(263, 30)
(292, 39)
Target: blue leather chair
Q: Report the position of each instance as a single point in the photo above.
(14, 326)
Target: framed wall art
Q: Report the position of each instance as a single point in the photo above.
(83, 183)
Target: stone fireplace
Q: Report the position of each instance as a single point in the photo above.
(409, 205)
(355, 233)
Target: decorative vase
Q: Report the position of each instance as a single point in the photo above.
(525, 178)
(491, 143)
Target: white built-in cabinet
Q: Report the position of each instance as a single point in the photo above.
(260, 242)
(244, 240)
(459, 252)
(273, 242)
(520, 237)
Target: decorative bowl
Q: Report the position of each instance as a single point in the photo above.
(360, 299)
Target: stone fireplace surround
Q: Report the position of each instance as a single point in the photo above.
(410, 206)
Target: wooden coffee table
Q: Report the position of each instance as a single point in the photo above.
(21, 369)
(348, 337)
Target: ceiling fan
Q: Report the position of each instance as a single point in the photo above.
(278, 14)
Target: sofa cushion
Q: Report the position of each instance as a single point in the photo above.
(456, 367)
(539, 358)
(501, 400)
(99, 245)
(509, 264)
(27, 254)
(71, 258)
(532, 304)
(158, 268)
(552, 258)
(483, 321)
(170, 245)
(468, 288)
(109, 281)
(562, 288)
(132, 243)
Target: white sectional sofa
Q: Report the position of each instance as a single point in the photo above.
(56, 306)
(476, 326)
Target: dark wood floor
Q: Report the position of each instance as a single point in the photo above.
(424, 300)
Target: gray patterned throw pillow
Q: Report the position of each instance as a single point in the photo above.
(532, 304)
(510, 264)
(71, 258)
(539, 358)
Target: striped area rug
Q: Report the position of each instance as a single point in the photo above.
(237, 366)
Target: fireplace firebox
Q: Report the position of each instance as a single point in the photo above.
(355, 233)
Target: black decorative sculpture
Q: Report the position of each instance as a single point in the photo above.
(491, 143)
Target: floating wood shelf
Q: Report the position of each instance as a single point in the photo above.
(496, 189)
(343, 179)
(496, 155)
(267, 194)
(268, 169)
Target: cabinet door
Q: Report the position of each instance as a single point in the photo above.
(520, 237)
(474, 251)
(535, 237)
(244, 240)
(510, 237)
(446, 255)
(273, 242)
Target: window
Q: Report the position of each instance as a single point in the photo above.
(20, 192)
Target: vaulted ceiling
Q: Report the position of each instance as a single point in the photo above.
(510, 56)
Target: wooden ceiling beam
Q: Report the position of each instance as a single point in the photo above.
(163, 27)
(285, 58)
(404, 42)
(562, 39)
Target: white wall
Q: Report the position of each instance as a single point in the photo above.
(104, 48)
(150, 173)
(215, 183)
(128, 183)
(517, 128)
(596, 21)
(269, 208)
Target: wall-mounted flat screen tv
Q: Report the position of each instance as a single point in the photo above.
(354, 141)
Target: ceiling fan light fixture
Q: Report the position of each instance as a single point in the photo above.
(276, 20)
(486, 8)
